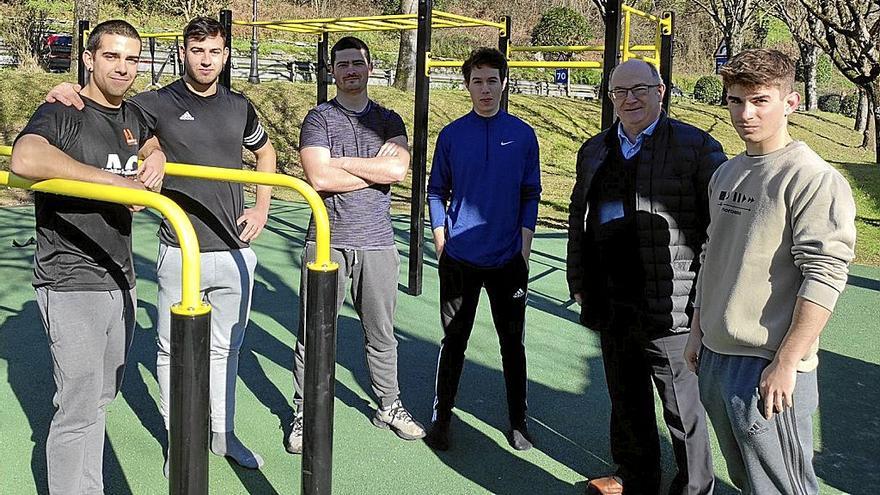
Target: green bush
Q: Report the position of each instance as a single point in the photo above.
(586, 76)
(830, 103)
(561, 26)
(849, 105)
(708, 89)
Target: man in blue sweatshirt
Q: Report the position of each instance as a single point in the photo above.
(483, 237)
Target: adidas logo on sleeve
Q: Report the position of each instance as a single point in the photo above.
(187, 116)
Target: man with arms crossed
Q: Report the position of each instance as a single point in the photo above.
(483, 236)
(83, 271)
(637, 221)
(200, 121)
(352, 149)
(781, 238)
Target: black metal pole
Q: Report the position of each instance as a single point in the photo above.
(82, 76)
(323, 67)
(504, 47)
(610, 57)
(419, 151)
(254, 76)
(189, 427)
(666, 39)
(178, 62)
(153, 61)
(226, 21)
(318, 395)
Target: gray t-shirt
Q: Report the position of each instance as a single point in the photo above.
(358, 219)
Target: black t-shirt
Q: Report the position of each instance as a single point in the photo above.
(359, 219)
(85, 245)
(203, 130)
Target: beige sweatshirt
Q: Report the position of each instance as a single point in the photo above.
(782, 227)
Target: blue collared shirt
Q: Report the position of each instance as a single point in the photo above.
(629, 148)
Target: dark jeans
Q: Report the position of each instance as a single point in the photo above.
(507, 287)
(632, 361)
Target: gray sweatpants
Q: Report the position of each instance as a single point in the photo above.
(763, 457)
(89, 334)
(227, 280)
(373, 275)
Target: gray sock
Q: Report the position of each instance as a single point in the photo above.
(227, 444)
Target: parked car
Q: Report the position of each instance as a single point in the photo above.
(56, 52)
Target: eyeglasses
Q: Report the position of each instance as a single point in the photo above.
(637, 91)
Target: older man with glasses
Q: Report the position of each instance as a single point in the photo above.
(637, 221)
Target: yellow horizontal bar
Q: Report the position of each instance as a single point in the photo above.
(643, 48)
(445, 63)
(161, 35)
(558, 48)
(189, 244)
(549, 64)
(319, 211)
(449, 15)
(397, 22)
(651, 60)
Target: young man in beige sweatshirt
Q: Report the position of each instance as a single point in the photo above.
(781, 236)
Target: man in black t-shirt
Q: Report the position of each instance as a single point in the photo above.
(199, 121)
(83, 271)
(352, 150)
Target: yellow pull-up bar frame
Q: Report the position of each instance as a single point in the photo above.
(319, 211)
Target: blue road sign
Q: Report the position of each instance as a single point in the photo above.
(561, 76)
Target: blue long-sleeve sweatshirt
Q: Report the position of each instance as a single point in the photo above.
(484, 187)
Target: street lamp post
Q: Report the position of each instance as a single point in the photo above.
(254, 76)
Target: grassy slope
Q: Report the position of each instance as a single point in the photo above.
(562, 125)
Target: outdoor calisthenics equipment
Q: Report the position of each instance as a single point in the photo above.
(320, 322)
(189, 421)
(427, 19)
(190, 328)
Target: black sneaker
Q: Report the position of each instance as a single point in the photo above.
(438, 436)
(519, 438)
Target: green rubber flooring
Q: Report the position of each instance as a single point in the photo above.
(568, 400)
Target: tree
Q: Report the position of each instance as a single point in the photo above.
(83, 10)
(23, 32)
(404, 77)
(733, 18)
(561, 26)
(849, 32)
(802, 26)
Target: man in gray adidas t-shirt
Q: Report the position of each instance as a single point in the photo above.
(352, 150)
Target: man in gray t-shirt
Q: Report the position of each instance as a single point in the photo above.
(352, 150)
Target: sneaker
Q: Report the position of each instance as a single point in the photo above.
(519, 438)
(295, 439)
(438, 435)
(400, 421)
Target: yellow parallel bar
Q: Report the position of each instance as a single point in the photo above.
(626, 33)
(395, 22)
(448, 15)
(189, 244)
(319, 212)
(535, 64)
(643, 48)
(561, 48)
(628, 9)
(161, 35)
(547, 64)
(651, 60)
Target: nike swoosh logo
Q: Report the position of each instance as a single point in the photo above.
(505, 143)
